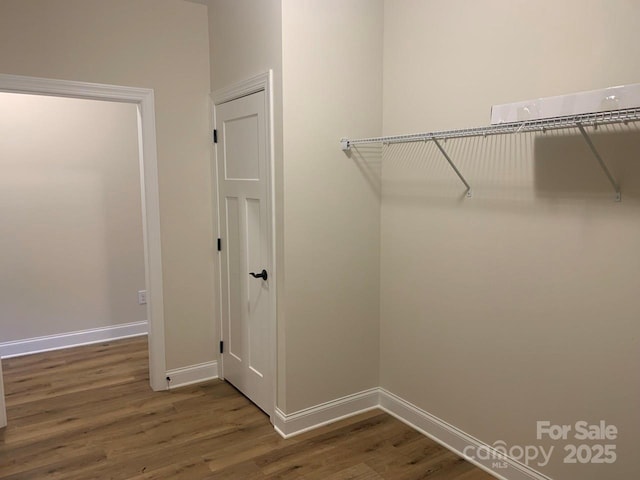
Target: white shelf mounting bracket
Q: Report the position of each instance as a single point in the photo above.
(453, 166)
(603, 165)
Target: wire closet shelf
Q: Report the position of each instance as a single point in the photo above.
(579, 121)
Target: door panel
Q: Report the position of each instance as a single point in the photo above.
(244, 192)
(242, 156)
(234, 282)
(257, 290)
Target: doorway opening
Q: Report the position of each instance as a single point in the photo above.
(149, 273)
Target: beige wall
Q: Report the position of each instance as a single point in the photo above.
(71, 232)
(159, 44)
(520, 304)
(332, 77)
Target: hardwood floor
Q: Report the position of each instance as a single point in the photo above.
(89, 413)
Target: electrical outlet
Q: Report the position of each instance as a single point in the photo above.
(142, 297)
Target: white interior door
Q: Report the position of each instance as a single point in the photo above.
(243, 172)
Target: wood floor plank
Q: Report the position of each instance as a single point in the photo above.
(88, 413)
(356, 472)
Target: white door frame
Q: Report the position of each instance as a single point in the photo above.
(144, 99)
(3, 409)
(259, 83)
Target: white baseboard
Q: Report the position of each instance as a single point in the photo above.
(72, 339)
(450, 437)
(302, 421)
(181, 377)
(455, 439)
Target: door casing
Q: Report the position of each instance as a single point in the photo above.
(3, 409)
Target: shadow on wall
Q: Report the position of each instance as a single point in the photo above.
(566, 168)
(514, 170)
(496, 167)
(368, 159)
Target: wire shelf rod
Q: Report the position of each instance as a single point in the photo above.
(541, 125)
(579, 121)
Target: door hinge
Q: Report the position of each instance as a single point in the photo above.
(219, 244)
(221, 346)
(215, 136)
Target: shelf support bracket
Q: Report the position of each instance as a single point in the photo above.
(452, 165)
(603, 165)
